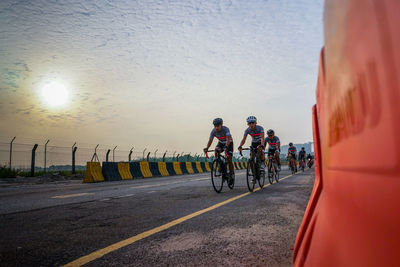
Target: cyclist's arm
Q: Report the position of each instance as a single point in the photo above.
(228, 140)
(209, 143)
(262, 140)
(243, 141)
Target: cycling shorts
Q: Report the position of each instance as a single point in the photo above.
(222, 146)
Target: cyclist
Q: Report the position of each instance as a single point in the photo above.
(274, 146)
(257, 134)
(292, 153)
(225, 142)
(302, 156)
(310, 160)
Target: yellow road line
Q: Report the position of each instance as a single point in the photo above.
(101, 252)
(73, 195)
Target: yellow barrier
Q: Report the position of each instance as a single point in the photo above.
(189, 167)
(237, 166)
(208, 168)
(145, 169)
(198, 167)
(124, 171)
(162, 167)
(93, 173)
(177, 168)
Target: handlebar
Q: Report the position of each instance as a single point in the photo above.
(242, 150)
(226, 154)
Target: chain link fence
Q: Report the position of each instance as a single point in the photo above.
(51, 158)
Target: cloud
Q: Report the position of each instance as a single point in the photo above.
(167, 63)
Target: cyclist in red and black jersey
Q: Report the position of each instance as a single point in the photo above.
(292, 154)
(225, 141)
(257, 134)
(274, 146)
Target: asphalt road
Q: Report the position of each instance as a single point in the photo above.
(55, 224)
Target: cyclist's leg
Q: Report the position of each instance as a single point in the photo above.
(278, 160)
(260, 154)
(217, 149)
(230, 154)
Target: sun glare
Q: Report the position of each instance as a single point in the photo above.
(55, 94)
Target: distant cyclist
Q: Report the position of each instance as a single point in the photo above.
(225, 142)
(310, 160)
(274, 146)
(292, 154)
(302, 156)
(257, 134)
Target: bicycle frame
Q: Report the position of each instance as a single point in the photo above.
(219, 156)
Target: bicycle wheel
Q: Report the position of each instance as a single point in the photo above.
(261, 179)
(231, 184)
(217, 175)
(276, 174)
(250, 177)
(292, 168)
(271, 173)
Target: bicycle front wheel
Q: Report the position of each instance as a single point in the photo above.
(261, 180)
(231, 182)
(217, 175)
(250, 177)
(271, 173)
(277, 175)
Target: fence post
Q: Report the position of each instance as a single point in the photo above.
(94, 157)
(177, 157)
(155, 155)
(74, 148)
(143, 153)
(11, 150)
(45, 154)
(163, 158)
(114, 153)
(33, 160)
(130, 154)
(108, 152)
(148, 155)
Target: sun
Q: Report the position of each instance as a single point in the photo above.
(55, 94)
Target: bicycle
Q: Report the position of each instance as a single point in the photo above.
(309, 163)
(273, 171)
(291, 164)
(302, 164)
(219, 172)
(254, 173)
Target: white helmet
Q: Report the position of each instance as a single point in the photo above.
(251, 119)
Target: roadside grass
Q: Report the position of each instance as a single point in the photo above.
(7, 172)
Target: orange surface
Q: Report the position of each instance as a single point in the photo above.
(353, 216)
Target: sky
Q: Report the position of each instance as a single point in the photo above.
(154, 74)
